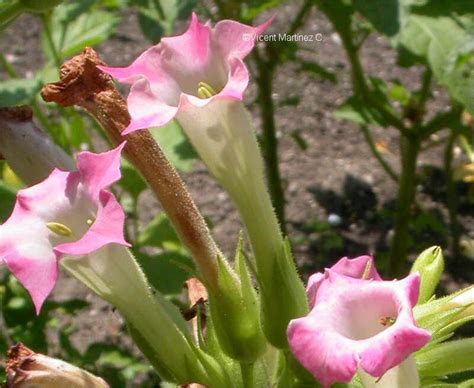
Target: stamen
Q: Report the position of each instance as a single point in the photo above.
(60, 229)
(387, 321)
(367, 269)
(90, 221)
(205, 90)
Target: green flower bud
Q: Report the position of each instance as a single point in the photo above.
(235, 313)
(430, 265)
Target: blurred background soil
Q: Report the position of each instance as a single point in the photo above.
(335, 174)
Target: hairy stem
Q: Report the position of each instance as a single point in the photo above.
(270, 141)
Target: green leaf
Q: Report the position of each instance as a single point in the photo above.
(77, 25)
(132, 182)
(160, 233)
(385, 16)
(356, 110)
(447, 358)
(158, 17)
(316, 69)
(440, 35)
(399, 93)
(18, 91)
(252, 8)
(175, 145)
(165, 271)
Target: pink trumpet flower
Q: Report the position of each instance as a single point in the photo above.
(186, 71)
(358, 323)
(68, 214)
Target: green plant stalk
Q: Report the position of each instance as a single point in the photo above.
(373, 147)
(46, 21)
(269, 139)
(452, 199)
(409, 148)
(247, 371)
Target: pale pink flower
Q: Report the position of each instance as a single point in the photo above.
(190, 70)
(68, 214)
(357, 324)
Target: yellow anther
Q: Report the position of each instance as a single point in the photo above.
(205, 90)
(60, 229)
(387, 321)
(90, 221)
(367, 269)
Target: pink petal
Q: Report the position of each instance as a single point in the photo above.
(238, 80)
(98, 171)
(35, 265)
(146, 108)
(38, 275)
(354, 268)
(326, 355)
(237, 39)
(191, 50)
(107, 229)
(145, 66)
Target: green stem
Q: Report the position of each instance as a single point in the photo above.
(341, 21)
(452, 199)
(49, 38)
(300, 16)
(409, 148)
(373, 147)
(270, 141)
(247, 371)
(8, 66)
(425, 87)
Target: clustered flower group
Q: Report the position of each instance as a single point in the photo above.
(358, 323)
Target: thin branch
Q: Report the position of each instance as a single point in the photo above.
(373, 147)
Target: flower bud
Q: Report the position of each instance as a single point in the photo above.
(430, 265)
(28, 150)
(235, 312)
(26, 368)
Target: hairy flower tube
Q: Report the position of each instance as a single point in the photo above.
(69, 213)
(358, 324)
(199, 79)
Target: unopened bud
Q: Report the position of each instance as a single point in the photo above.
(430, 265)
(29, 151)
(26, 368)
